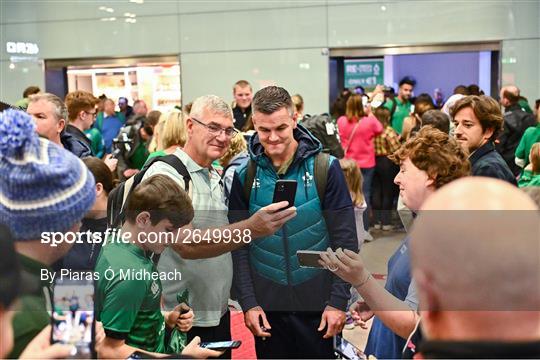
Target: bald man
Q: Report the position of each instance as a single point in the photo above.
(478, 286)
(516, 121)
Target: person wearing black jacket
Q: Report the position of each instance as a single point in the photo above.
(478, 121)
(82, 112)
(516, 121)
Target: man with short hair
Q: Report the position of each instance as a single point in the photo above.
(109, 125)
(400, 107)
(49, 113)
(477, 123)
(139, 112)
(44, 189)
(292, 311)
(209, 278)
(125, 109)
(82, 112)
(516, 121)
(139, 108)
(243, 94)
(487, 227)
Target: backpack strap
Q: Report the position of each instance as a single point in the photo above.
(177, 164)
(250, 176)
(133, 181)
(320, 173)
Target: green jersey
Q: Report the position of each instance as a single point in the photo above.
(129, 306)
(402, 111)
(97, 142)
(33, 306)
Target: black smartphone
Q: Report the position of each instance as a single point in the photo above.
(285, 190)
(221, 345)
(72, 319)
(309, 258)
(346, 350)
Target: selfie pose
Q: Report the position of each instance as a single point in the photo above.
(292, 311)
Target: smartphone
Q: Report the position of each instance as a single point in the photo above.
(347, 350)
(72, 319)
(285, 190)
(221, 345)
(309, 258)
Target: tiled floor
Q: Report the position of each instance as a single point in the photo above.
(375, 254)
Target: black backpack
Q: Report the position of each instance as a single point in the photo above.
(118, 196)
(324, 129)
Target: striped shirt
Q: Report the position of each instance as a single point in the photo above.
(208, 280)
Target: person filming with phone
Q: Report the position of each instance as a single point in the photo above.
(291, 310)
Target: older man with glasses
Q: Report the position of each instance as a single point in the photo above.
(208, 279)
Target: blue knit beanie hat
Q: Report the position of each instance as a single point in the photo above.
(43, 188)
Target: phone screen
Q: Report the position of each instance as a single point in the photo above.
(347, 350)
(221, 345)
(73, 320)
(309, 259)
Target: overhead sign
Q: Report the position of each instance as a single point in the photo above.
(21, 48)
(364, 72)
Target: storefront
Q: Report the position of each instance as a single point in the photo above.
(156, 80)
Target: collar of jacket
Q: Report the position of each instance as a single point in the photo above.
(481, 151)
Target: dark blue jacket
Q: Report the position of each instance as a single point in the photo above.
(486, 161)
(324, 288)
(75, 145)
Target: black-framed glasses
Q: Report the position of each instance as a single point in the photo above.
(217, 130)
(94, 114)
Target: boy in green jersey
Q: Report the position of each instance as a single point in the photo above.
(128, 292)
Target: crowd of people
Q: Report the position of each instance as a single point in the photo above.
(205, 175)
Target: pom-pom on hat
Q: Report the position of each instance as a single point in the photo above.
(43, 188)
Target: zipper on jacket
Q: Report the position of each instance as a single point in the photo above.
(287, 261)
(285, 240)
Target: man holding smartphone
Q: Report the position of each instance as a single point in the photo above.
(292, 311)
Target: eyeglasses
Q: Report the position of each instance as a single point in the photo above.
(94, 114)
(217, 130)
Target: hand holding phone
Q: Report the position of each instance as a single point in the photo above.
(285, 190)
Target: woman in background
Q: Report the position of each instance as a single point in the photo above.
(357, 132)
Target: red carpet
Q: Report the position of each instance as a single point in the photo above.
(239, 331)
